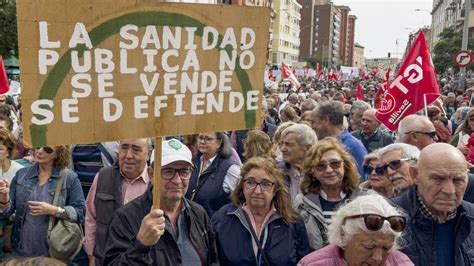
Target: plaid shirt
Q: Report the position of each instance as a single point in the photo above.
(424, 210)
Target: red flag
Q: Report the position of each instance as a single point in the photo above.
(4, 84)
(415, 81)
(360, 94)
(290, 75)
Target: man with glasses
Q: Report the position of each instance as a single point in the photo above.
(417, 130)
(396, 160)
(113, 187)
(440, 224)
(178, 233)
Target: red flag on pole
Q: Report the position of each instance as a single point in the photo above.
(290, 76)
(360, 94)
(414, 85)
(4, 84)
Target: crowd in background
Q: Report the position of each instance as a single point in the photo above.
(319, 182)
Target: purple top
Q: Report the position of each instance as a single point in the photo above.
(34, 238)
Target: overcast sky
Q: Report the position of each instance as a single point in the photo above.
(381, 22)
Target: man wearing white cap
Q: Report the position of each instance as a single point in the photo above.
(179, 233)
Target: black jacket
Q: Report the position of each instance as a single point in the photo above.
(420, 234)
(123, 249)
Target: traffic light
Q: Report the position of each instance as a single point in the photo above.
(388, 55)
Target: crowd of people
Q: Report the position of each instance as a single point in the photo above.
(319, 182)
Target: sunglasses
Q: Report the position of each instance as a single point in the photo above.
(395, 164)
(47, 149)
(334, 164)
(374, 222)
(379, 170)
(432, 134)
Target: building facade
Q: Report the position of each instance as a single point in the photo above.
(327, 32)
(358, 59)
(351, 40)
(286, 29)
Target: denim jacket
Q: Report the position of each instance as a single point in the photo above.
(71, 197)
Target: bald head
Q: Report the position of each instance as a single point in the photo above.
(416, 130)
(442, 153)
(441, 177)
(369, 122)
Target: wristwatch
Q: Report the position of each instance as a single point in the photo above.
(60, 212)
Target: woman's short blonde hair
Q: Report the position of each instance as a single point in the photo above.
(311, 184)
(258, 144)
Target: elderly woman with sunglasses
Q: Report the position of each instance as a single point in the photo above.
(29, 195)
(376, 178)
(330, 178)
(260, 227)
(365, 231)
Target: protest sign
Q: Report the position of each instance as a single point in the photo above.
(100, 70)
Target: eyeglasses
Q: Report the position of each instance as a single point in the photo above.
(395, 164)
(432, 134)
(471, 118)
(379, 170)
(47, 149)
(205, 138)
(264, 185)
(374, 222)
(334, 164)
(170, 173)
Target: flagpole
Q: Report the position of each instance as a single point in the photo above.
(426, 105)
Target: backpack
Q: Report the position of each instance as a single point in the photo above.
(87, 161)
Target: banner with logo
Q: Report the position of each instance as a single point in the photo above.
(414, 82)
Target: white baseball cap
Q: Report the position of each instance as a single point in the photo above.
(174, 150)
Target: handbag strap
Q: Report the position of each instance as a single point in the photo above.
(254, 235)
(59, 185)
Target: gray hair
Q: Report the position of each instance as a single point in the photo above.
(409, 124)
(306, 135)
(308, 105)
(408, 151)
(341, 230)
(360, 106)
(333, 110)
(226, 148)
(370, 157)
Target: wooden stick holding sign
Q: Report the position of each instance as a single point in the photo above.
(157, 174)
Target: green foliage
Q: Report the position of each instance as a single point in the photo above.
(449, 44)
(314, 59)
(8, 32)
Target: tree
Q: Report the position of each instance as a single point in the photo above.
(314, 59)
(444, 51)
(8, 32)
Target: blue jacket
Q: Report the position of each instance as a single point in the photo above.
(71, 197)
(356, 149)
(420, 234)
(282, 244)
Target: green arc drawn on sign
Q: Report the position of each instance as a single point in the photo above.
(111, 27)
